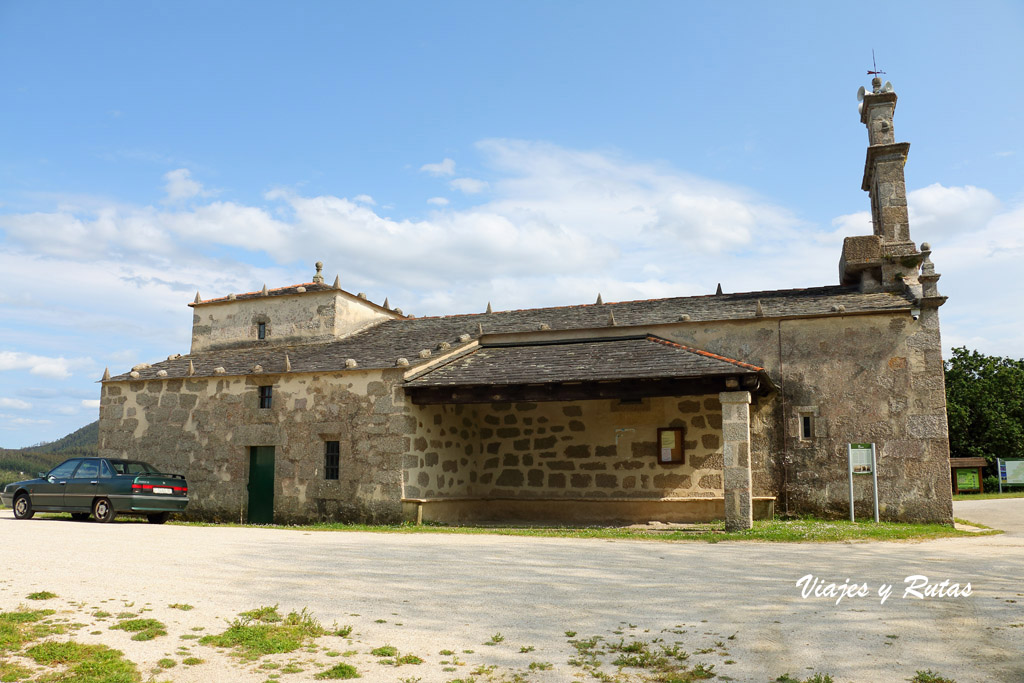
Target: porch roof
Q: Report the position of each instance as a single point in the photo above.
(642, 365)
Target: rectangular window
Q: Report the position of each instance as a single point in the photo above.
(332, 456)
(266, 396)
(261, 330)
(806, 427)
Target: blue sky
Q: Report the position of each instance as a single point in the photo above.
(449, 154)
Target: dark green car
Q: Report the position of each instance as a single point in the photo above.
(103, 487)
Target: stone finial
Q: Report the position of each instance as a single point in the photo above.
(141, 366)
(425, 353)
(197, 299)
(386, 304)
(231, 297)
(402, 363)
(257, 368)
(287, 363)
(489, 307)
(444, 346)
(719, 290)
(319, 277)
(134, 374)
(174, 356)
(361, 295)
(599, 300)
(480, 329)
(760, 311)
(264, 291)
(611, 319)
(219, 370)
(337, 282)
(544, 326)
(684, 317)
(399, 311)
(191, 368)
(300, 289)
(161, 373)
(464, 338)
(351, 363)
(106, 375)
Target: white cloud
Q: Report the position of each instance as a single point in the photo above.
(364, 199)
(438, 201)
(940, 212)
(15, 404)
(443, 168)
(180, 185)
(92, 404)
(468, 185)
(54, 368)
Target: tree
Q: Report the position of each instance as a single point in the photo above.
(985, 405)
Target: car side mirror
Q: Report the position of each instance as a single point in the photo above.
(41, 475)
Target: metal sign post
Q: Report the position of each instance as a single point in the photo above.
(861, 458)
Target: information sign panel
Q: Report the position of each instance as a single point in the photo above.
(861, 458)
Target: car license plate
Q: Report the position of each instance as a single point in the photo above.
(161, 489)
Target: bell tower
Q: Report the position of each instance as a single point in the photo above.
(881, 261)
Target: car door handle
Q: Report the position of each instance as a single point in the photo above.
(93, 483)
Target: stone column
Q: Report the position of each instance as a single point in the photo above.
(739, 507)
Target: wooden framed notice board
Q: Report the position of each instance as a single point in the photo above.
(670, 445)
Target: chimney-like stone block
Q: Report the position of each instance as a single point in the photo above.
(859, 253)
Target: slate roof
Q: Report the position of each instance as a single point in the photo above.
(380, 346)
(643, 357)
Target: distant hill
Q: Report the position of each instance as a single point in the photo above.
(32, 459)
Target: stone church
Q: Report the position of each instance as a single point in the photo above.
(308, 403)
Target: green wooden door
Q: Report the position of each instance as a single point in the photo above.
(261, 485)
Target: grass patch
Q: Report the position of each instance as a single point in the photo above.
(930, 676)
(11, 672)
(192, 661)
(384, 651)
(342, 631)
(338, 672)
(167, 663)
(801, 530)
(816, 678)
(86, 663)
(988, 496)
(18, 628)
(263, 632)
(182, 606)
(144, 629)
(41, 595)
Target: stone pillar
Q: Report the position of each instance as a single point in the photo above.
(739, 505)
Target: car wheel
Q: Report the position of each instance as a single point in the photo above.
(158, 518)
(79, 516)
(23, 507)
(103, 511)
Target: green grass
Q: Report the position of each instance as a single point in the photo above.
(384, 651)
(182, 606)
(41, 595)
(144, 629)
(930, 676)
(262, 632)
(86, 663)
(167, 663)
(11, 672)
(989, 496)
(18, 628)
(798, 530)
(338, 671)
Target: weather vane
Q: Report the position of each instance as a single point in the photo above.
(876, 72)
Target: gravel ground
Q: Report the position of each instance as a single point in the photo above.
(427, 593)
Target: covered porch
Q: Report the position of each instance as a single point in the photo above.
(611, 430)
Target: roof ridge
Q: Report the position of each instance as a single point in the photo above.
(700, 352)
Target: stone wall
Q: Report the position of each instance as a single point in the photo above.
(289, 319)
(583, 449)
(203, 428)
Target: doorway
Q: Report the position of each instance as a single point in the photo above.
(261, 485)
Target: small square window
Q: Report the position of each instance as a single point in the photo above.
(261, 330)
(266, 396)
(332, 457)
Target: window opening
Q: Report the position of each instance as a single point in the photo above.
(266, 396)
(332, 459)
(806, 427)
(261, 330)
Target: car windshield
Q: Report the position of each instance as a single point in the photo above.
(132, 467)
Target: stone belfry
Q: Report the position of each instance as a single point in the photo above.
(882, 261)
